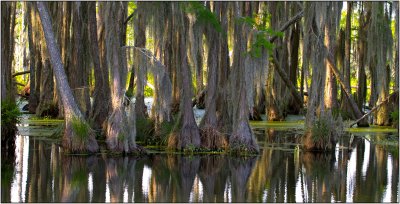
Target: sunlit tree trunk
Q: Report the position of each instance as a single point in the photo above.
(316, 110)
(121, 128)
(71, 140)
(331, 27)
(379, 53)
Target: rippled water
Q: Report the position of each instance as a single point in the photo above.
(360, 170)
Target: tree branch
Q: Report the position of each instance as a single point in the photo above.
(21, 73)
(287, 24)
(285, 78)
(129, 17)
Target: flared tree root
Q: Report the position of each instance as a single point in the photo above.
(188, 137)
(212, 139)
(79, 137)
(121, 134)
(242, 140)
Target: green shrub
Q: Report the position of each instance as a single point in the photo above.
(395, 116)
(144, 129)
(10, 114)
(320, 131)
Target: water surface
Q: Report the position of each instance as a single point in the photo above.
(364, 168)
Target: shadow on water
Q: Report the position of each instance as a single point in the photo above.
(364, 168)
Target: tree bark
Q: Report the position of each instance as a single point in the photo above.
(33, 97)
(396, 59)
(78, 69)
(140, 41)
(188, 132)
(121, 128)
(71, 110)
(362, 78)
(330, 38)
(210, 137)
(345, 106)
(223, 72)
(7, 41)
(242, 138)
(294, 107)
(101, 95)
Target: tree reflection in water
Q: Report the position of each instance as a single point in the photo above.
(359, 170)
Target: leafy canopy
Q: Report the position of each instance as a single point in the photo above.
(203, 14)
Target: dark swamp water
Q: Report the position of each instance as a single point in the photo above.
(364, 168)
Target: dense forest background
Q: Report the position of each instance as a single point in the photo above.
(93, 64)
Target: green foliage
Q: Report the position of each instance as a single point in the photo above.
(164, 130)
(325, 131)
(10, 114)
(7, 172)
(144, 129)
(80, 128)
(189, 149)
(320, 131)
(395, 117)
(261, 41)
(203, 14)
(148, 92)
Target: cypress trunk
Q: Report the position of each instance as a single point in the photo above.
(101, 95)
(187, 133)
(140, 41)
(242, 138)
(210, 137)
(74, 139)
(345, 106)
(121, 128)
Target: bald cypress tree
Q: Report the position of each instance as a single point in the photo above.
(186, 132)
(78, 136)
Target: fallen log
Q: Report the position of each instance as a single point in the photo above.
(375, 108)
